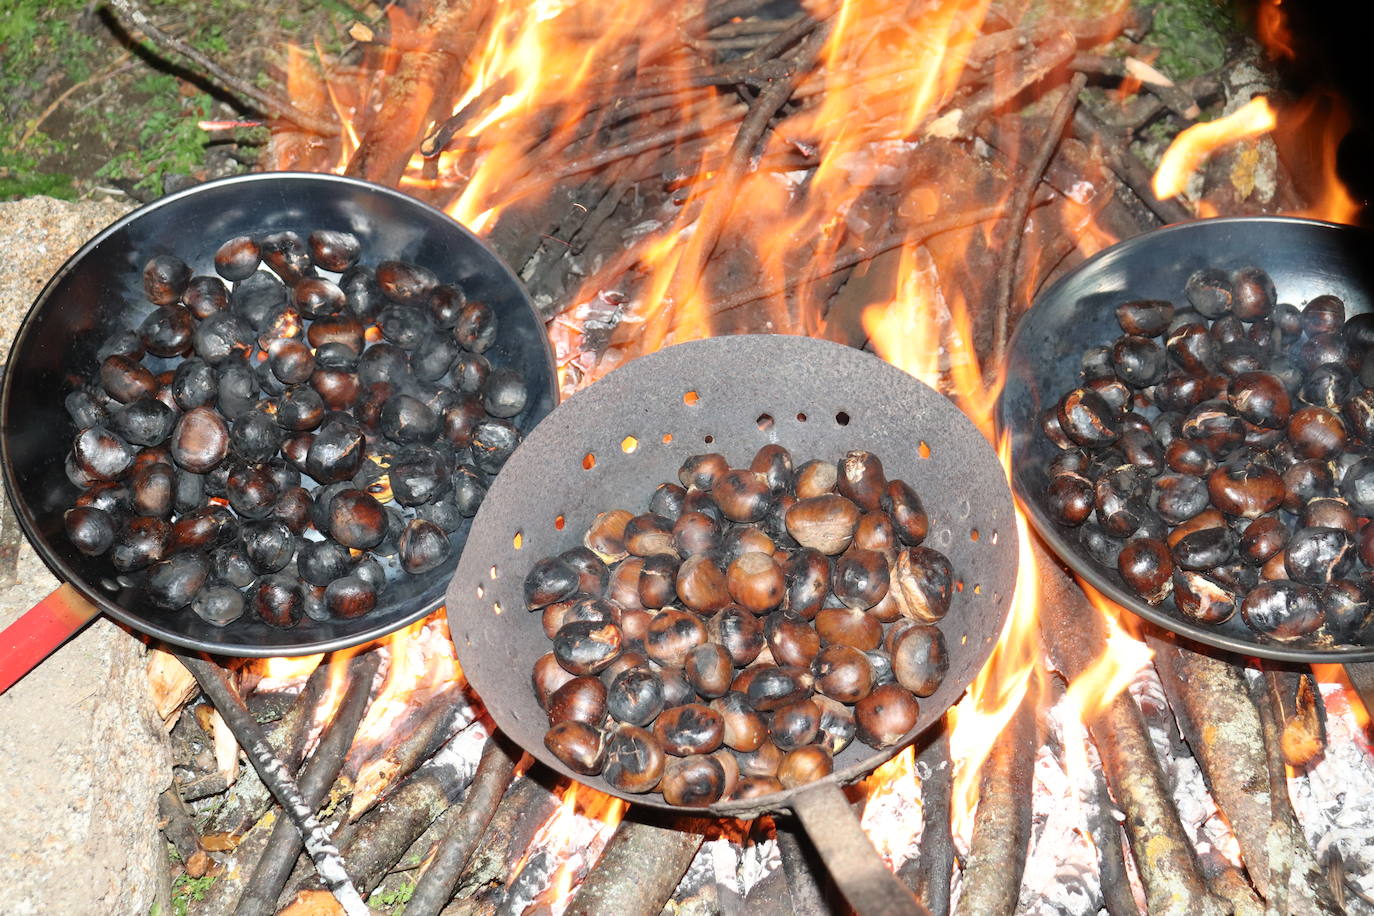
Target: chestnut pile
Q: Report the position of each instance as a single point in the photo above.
(1222, 453)
(731, 640)
(285, 442)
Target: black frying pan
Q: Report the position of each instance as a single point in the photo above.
(817, 398)
(99, 290)
(1305, 258)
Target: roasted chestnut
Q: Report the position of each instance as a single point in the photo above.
(634, 760)
(883, 718)
(695, 782)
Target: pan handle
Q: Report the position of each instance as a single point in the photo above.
(1361, 675)
(862, 876)
(40, 630)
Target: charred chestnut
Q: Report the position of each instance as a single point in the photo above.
(1147, 568)
(1282, 610)
(695, 782)
(581, 747)
(634, 760)
(883, 718)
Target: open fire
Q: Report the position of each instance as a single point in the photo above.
(886, 174)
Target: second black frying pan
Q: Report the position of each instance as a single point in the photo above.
(1305, 258)
(733, 395)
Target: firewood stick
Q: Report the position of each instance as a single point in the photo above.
(1019, 209)
(175, 822)
(1174, 98)
(1297, 880)
(435, 886)
(929, 874)
(322, 852)
(1302, 715)
(1002, 821)
(133, 16)
(1115, 148)
(522, 811)
(403, 755)
(641, 866)
(1111, 859)
(284, 844)
(1221, 724)
(1073, 634)
(249, 799)
(1044, 59)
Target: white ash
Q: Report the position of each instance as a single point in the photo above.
(1334, 799)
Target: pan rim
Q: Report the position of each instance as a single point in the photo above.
(27, 520)
(1045, 528)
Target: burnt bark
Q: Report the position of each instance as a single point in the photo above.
(640, 867)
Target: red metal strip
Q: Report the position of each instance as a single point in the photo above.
(40, 630)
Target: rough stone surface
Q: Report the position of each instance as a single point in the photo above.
(84, 756)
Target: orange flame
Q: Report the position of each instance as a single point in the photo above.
(1195, 145)
(1274, 34)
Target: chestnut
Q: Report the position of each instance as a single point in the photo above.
(861, 578)
(548, 675)
(920, 660)
(1246, 490)
(586, 647)
(1357, 486)
(1305, 480)
(1138, 361)
(860, 478)
(815, 478)
(1282, 610)
(1316, 432)
(646, 535)
(676, 688)
(710, 670)
(697, 781)
(581, 747)
(702, 471)
(350, 597)
(876, 531)
(804, 765)
(635, 697)
(1345, 608)
(657, 581)
(923, 582)
(1180, 497)
(693, 728)
(763, 761)
(777, 686)
(549, 580)
(1199, 598)
(1254, 294)
(102, 454)
(795, 725)
(1263, 538)
(278, 602)
(744, 728)
(883, 718)
(807, 574)
(738, 633)
(842, 673)
(672, 636)
(1087, 419)
(701, 585)
(633, 760)
(91, 530)
(791, 639)
(1315, 556)
(667, 500)
(774, 463)
(1203, 549)
(1329, 512)
(756, 582)
(623, 586)
(825, 523)
(1145, 317)
(1260, 398)
(423, 546)
(141, 541)
(606, 535)
(694, 533)
(218, 605)
(582, 699)
(742, 495)
(849, 627)
(1147, 568)
(837, 727)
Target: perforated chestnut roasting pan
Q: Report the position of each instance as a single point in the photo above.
(1305, 258)
(610, 445)
(99, 291)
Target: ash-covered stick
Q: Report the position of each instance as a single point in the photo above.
(489, 784)
(322, 852)
(522, 811)
(1002, 822)
(929, 874)
(1111, 858)
(280, 851)
(1073, 635)
(1220, 722)
(1020, 209)
(641, 866)
(1297, 880)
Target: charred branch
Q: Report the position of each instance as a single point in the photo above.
(641, 866)
(522, 811)
(404, 755)
(1302, 715)
(929, 875)
(489, 784)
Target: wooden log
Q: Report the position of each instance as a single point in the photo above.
(640, 867)
(284, 844)
(1302, 715)
(1219, 720)
(435, 886)
(930, 874)
(1117, 896)
(423, 83)
(404, 754)
(1002, 821)
(523, 810)
(1073, 634)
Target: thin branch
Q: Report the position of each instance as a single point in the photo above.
(1020, 208)
(133, 17)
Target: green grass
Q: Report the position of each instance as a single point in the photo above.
(187, 889)
(394, 900)
(1192, 35)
